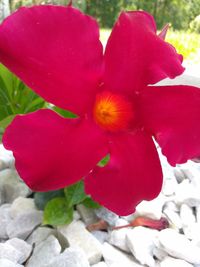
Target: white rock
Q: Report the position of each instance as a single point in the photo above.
(45, 252)
(9, 252)
(39, 235)
(24, 224)
(12, 185)
(87, 215)
(178, 246)
(100, 264)
(118, 238)
(169, 186)
(77, 235)
(8, 263)
(192, 231)
(6, 158)
(71, 257)
(187, 215)
(133, 264)
(141, 242)
(107, 215)
(115, 257)
(152, 209)
(174, 218)
(21, 246)
(171, 262)
(197, 209)
(2, 198)
(187, 193)
(101, 236)
(159, 253)
(179, 174)
(76, 215)
(121, 222)
(21, 205)
(171, 205)
(5, 219)
(192, 172)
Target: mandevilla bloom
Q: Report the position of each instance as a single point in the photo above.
(56, 51)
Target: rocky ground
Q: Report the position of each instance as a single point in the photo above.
(25, 242)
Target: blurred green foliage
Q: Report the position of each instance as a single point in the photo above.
(186, 43)
(179, 13)
(15, 98)
(195, 24)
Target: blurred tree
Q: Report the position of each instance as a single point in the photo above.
(177, 12)
(4, 9)
(105, 11)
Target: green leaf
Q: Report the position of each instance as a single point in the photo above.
(75, 193)
(4, 123)
(57, 212)
(90, 203)
(104, 161)
(42, 198)
(15, 96)
(64, 113)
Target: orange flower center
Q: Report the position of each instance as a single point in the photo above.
(112, 112)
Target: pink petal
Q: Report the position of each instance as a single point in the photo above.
(135, 56)
(132, 175)
(164, 31)
(172, 114)
(52, 152)
(56, 51)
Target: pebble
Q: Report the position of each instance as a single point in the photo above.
(24, 224)
(118, 238)
(159, 253)
(87, 215)
(192, 231)
(4, 220)
(171, 205)
(45, 252)
(188, 194)
(172, 262)
(141, 242)
(152, 209)
(71, 257)
(101, 236)
(22, 205)
(114, 256)
(9, 252)
(178, 246)
(12, 186)
(8, 263)
(191, 171)
(21, 246)
(169, 186)
(174, 218)
(77, 235)
(178, 173)
(100, 264)
(39, 235)
(187, 215)
(6, 158)
(76, 215)
(197, 210)
(107, 215)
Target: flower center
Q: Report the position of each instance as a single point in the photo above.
(112, 112)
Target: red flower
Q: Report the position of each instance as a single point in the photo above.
(56, 51)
